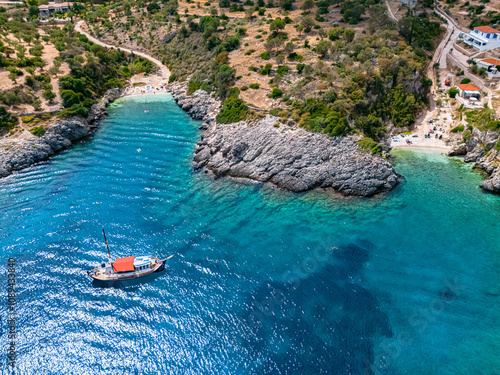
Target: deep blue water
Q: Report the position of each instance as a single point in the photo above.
(262, 281)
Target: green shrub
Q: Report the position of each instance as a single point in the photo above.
(274, 112)
(27, 119)
(467, 134)
(254, 86)
(264, 55)
(266, 70)
(7, 119)
(233, 92)
(300, 68)
(75, 110)
(38, 131)
(30, 81)
(282, 70)
(458, 128)
(276, 93)
(465, 81)
(233, 110)
(369, 145)
(46, 116)
(294, 56)
(497, 146)
(244, 88)
(493, 125)
(48, 95)
(205, 86)
(249, 52)
(192, 87)
(453, 92)
(222, 58)
(37, 121)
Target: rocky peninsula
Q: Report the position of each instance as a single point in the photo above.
(295, 160)
(479, 149)
(27, 149)
(290, 158)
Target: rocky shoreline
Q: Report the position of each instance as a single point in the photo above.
(199, 105)
(259, 150)
(479, 149)
(28, 149)
(289, 158)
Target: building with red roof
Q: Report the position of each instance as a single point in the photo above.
(492, 67)
(483, 38)
(469, 95)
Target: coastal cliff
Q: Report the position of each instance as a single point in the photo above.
(480, 150)
(200, 105)
(290, 158)
(27, 149)
(295, 160)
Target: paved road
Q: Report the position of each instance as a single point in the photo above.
(163, 69)
(461, 58)
(453, 31)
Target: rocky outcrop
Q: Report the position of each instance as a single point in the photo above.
(98, 111)
(458, 150)
(479, 149)
(492, 184)
(27, 149)
(292, 159)
(295, 160)
(489, 162)
(21, 152)
(200, 105)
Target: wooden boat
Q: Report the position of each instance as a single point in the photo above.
(127, 268)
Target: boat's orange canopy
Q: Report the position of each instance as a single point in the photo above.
(124, 264)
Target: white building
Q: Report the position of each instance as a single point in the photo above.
(491, 67)
(483, 38)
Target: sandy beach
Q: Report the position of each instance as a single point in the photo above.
(418, 142)
(436, 122)
(141, 84)
(436, 148)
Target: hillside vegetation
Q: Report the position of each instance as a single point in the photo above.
(337, 67)
(51, 68)
(331, 66)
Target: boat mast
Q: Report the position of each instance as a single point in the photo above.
(107, 247)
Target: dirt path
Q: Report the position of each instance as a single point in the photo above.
(165, 73)
(389, 11)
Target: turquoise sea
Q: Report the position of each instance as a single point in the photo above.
(262, 281)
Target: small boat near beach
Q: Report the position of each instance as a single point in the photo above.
(127, 268)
